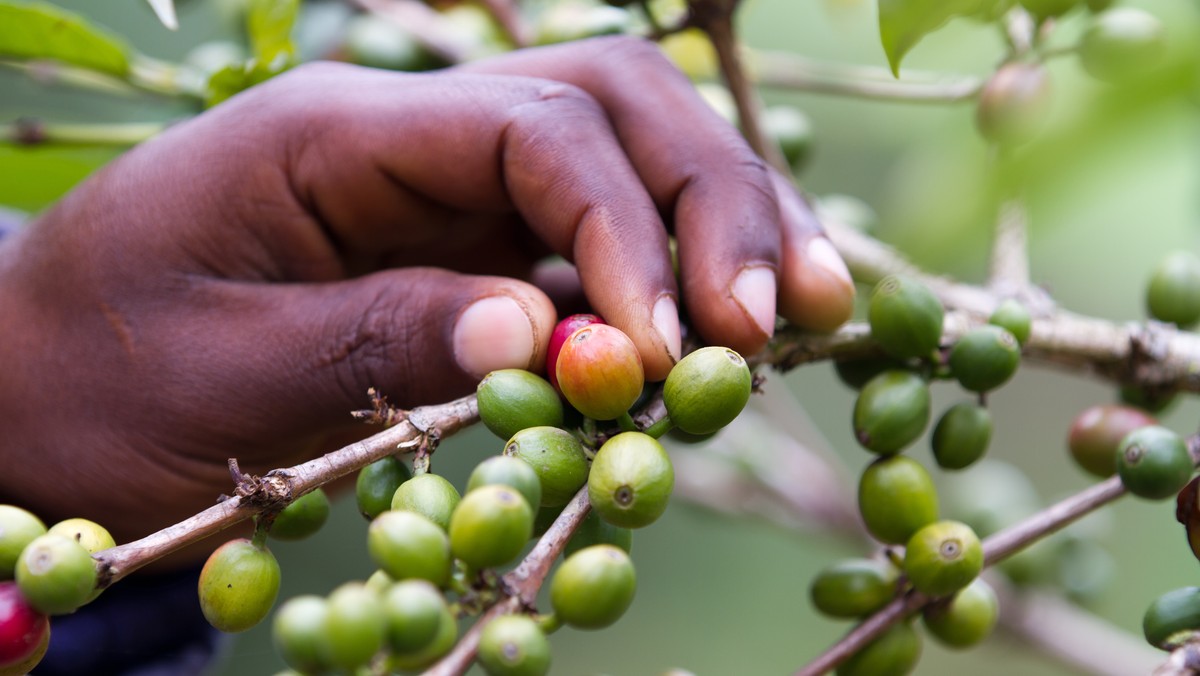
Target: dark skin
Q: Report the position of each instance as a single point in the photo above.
(233, 287)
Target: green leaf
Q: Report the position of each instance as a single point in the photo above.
(902, 23)
(42, 31)
(233, 79)
(165, 11)
(269, 24)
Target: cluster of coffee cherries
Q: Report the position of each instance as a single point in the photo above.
(43, 572)
(440, 553)
(897, 499)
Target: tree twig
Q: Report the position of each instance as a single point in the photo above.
(35, 132)
(782, 70)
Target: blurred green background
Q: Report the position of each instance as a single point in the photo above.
(720, 595)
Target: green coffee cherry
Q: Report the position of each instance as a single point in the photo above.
(1173, 294)
(296, 632)
(377, 484)
(414, 610)
(556, 457)
(596, 531)
(511, 400)
(891, 411)
(1095, 6)
(508, 471)
(600, 371)
(854, 587)
(905, 317)
(1013, 317)
(302, 518)
(1085, 570)
(792, 130)
(442, 643)
(429, 495)
(985, 358)
(943, 557)
(514, 645)
(1173, 618)
(1045, 9)
(490, 526)
(1013, 103)
(380, 582)
(56, 574)
(966, 619)
(707, 389)
(1122, 44)
(961, 435)
(1098, 431)
(238, 585)
(407, 545)
(1151, 400)
(17, 529)
(856, 373)
(1153, 462)
(90, 534)
(355, 626)
(631, 480)
(593, 587)
(896, 498)
(894, 653)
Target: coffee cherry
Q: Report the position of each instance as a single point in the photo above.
(443, 641)
(297, 630)
(380, 582)
(17, 529)
(1151, 400)
(238, 585)
(355, 626)
(600, 371)
(514, 645)
(961, 435)
(25, 666)
(896, 498)
(905, 317)
(1153, 462)
(508, 471)
(1097, 432)
(56, 574)
(23, 629)
(490, 527)
(891, 411)
(894, 653)
(414, 611)
(302, 518)
(1014, 318)
(512, 400)
(1013, 103)
(966, 619)
(1096, 6)
(1085, 570)
(1044, 9)
(631, 480)
(562, 331)
(985, 358)
(942, 558)
(593, 587)
(707, 389)
(1173, 294)
(407, 545)
(856, 373)
(1122, 44)
(596, 531)
(377, 484)
(1173, 618)
(792, 130)
(379, 43)
(854, 587)
(556, 457)
(429, 495)
(90, 534)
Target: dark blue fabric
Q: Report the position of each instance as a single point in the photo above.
(144, 625)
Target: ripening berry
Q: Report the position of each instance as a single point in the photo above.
(600, 371)
(562, 331)
(23, 630)
(1097, 432)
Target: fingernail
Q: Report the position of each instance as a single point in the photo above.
(754, 290)
(666, 323)
(822, 254)
(493, 333)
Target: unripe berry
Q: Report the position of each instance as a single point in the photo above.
(1044, 9)
(556, 456)
(56, 574)
(90, 534)
(414, 610)
(514, 645)
(17, 529)
(490, 526)
(508, 471)
(707, 389)
(600, 371)
(511, 400)
(891, 411)
(1014, 103)
(1013, 317)
(238, 585)
(1173, 294)
(631, 480)
(1097, 432)
(1173, 618)
(355, 627)
(895, 652)
(985, 358)
(302, 518)
(942, 558)
(965, 619)
(1121, 44)
(596, 531)
(856, 373)
(429, 495)
(905, 317)
(443, 641)
(296, 632)
(407, 545)
(593, 587)
(854, 587)
(961, 435)
(1153, 462)
(377, 484)
(896, 498)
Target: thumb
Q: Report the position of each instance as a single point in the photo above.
(418, 335)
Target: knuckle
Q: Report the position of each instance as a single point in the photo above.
(371, 349)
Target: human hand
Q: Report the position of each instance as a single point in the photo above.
(233, 287)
